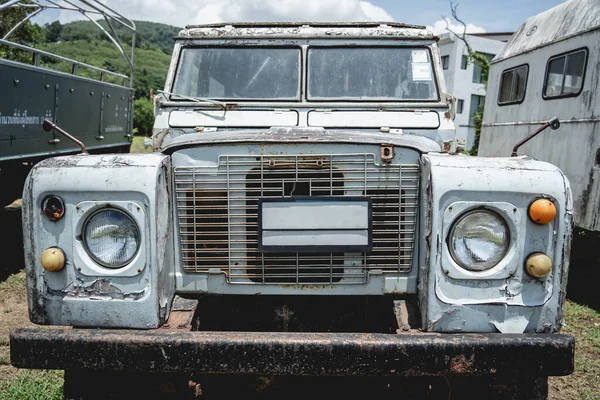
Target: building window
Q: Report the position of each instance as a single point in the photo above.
(464, 62)
(564, 74)
(477, 75)
(512, 85)
(459, 106)
(476, 101)
(445, 62)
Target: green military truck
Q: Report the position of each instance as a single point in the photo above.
(96, 106)
(92, 103)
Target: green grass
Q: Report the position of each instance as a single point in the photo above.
(14, 283)
(137, 146)
(584, 324)
(33, 385)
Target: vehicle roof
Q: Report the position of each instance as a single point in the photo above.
(330, 30)
(571, 18)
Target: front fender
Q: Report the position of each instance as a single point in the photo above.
(84, 293)
(505, 298)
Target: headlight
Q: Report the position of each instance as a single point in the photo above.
(479, 240)
(111, 237)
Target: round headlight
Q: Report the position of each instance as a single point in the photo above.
(479, 240)
(111, 237)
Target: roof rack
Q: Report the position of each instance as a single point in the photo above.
(366, 24)
(90, 9)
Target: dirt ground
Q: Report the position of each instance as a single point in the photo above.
(13, 314)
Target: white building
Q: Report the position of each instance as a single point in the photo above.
(463, 79)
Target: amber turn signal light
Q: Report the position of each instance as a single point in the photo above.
(53, 259)
(542, 211)
(538, 265)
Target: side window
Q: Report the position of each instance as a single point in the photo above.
(477, 72)
(476, 102)
(512, 85)
(464, 62)
(459, 106)
(445, 62)
(564, 74)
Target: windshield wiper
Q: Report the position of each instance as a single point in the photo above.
(199, 100)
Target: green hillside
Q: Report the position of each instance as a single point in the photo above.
(83, 41)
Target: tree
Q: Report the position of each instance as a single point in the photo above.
(53, 31)
(475, 58)
(27, 33)
(143, 116)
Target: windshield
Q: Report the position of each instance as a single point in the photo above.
(375, 73)
(334, 73)
(239, 73)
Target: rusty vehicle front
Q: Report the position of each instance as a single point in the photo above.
(303, 214)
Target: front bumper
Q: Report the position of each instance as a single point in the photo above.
(270, 353)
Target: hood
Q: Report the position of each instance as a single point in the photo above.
(301, 135)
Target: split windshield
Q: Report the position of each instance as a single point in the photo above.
(334, 73)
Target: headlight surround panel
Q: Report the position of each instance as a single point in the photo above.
(84, 259)
(507, 264)
(107, 229)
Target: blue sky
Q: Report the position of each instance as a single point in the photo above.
(491, 16)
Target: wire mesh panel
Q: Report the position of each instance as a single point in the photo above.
(218, 216)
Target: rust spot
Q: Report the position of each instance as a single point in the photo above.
(460, 365)
(387, 153)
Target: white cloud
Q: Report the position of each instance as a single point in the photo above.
(289, 10)
(186, 12)
(440, 26)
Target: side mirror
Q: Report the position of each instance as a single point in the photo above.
(554, 124)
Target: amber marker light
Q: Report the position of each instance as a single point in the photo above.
(53, 259)
(542, 211)
(538, 265)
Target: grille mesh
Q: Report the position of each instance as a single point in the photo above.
(218, 225)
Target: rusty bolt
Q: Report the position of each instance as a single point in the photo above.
(447, 272)
(515, 209)
(450, 208)
(79, 269)
(139, 271)
(387, 153)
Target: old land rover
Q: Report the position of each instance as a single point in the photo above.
(303, 213)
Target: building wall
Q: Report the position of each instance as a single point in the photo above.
(459, 81)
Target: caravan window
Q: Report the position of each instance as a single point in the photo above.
(564, 74)
(512, 85)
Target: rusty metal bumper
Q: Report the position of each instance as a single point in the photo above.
(272, 353)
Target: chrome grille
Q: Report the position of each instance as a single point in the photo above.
(218, 216)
